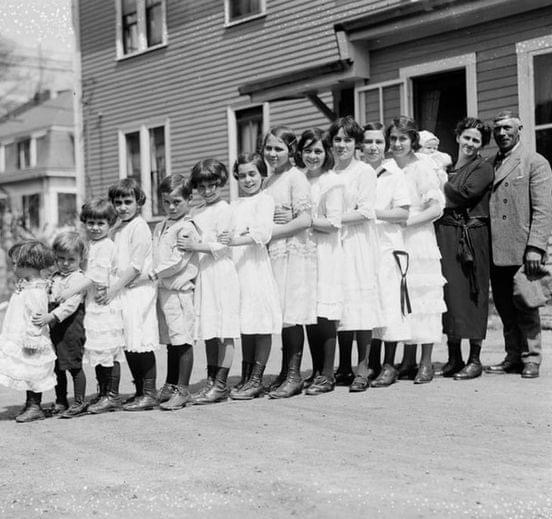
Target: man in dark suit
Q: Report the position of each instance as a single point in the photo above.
(521, 223)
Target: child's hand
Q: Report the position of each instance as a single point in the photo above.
(224, 237)
(185, 243)
(282, 215)
(42, 319)
(104, 297)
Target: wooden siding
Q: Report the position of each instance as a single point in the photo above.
(196, 76)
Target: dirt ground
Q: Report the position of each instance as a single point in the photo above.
(480, 448)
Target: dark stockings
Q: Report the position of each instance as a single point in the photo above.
(345, 352)
(322, 339)
(293, 338)
(180, 361)
(79, 385)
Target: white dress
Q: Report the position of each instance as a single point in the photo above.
(260, 310)
(27, 356)
(327, 193)
(362, 309)
(218, 288)
(391, 192)
(425, 280)
(294, 259)
(133, 247)
(103, 323)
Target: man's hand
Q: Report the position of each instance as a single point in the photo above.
(533, 261)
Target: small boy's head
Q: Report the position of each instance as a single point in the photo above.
(98, 209)
(70, 251)
(128, 187)
(31, 254)
(429, 142)
(176, 194)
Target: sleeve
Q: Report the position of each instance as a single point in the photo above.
(36, 302)
(140, 245)
(300, 194)
(473, 187)
(540, 189)
(334, 205)
(366, 201)
(260, 229)
(69, 306)
(177, 260)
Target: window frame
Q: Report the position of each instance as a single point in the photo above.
(526, 50)
(231, 23)
(145, 154)
(142, 29)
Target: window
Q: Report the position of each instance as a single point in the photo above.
(67, 208)
(31, 211)
(380, 102)
(237, 11)
(144, 156)
(249, 124)
(141, 26)
(542, 66)
(24, 154)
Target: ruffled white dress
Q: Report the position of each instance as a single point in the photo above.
(294, 259)
(391, 192)
(217, 298)
(27, 356)
(133, 247)
(327, 194)
(103, 323)
(362, 309)
(425, 280)
(260, 310)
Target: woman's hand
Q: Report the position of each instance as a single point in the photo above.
(282, 214)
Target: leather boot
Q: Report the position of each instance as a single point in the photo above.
(218, 392)
(247, 368)
(280, 379)
(33, 411)
(180, 397)
(293, 385)
(211, 372)
(253, 388)
(110, 401)
(27, 401)
(166, 392)
(145, 402)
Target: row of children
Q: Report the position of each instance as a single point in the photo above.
(309, 246)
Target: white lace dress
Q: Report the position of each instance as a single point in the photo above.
(218, 289)
(362, 309)
(327, 193)
(103, 323)
(133, 247)
(27, 356)
(425, 280)
(294, 259)
(260, 310)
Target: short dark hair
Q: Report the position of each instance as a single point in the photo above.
(286, 135)
(176, 182)
(250, 158)
(476, 124)
(349, 126)
(308, 138)
(69, 241)
(98, 208)
(373, 127)
(32, 254)
(128, 187)
(406, 125)
(209, 170)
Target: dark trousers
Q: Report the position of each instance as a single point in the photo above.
(521, 325)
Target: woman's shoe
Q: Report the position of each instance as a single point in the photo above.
(359, 384)
(321, 384)
(424, 375)
(387, 376)
(472, 370)
(407, 372)
(343, 379)
(450, 369)
(166, 392)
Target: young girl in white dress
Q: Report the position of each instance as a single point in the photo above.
(362, 310)
(292, 254)
(218, 289)
(27, 357)
(327, 190)
(392, 208)
(138, 295)
(260, 311)
(104, 345)
(425, 281)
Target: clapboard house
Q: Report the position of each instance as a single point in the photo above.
(164, 83)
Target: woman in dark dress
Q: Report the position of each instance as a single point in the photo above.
(464, 239)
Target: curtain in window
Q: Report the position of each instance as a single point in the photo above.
(154, 22)
(130, 26)
(158, 169)
(133, 155)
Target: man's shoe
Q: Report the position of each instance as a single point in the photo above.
(530, 370)
(472, 370)
(387, 376)
(506, 366)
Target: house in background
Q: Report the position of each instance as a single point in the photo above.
(37, 163)
(165, 83)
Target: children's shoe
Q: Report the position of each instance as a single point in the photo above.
(105, 404)
(32, 413)
(75, 409)
(166, 392)
(321, 384)
(58, 408)
(180, 397)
